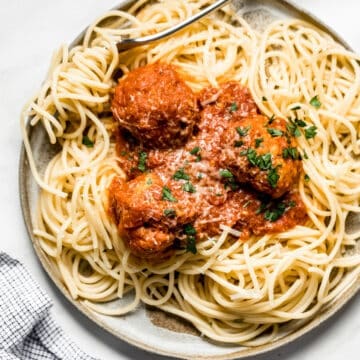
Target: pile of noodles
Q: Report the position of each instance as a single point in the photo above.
(231, 291)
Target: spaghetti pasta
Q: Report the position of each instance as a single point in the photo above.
(232, 292)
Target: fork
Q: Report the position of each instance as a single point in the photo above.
(127, 44)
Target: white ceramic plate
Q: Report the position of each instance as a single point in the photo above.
(139, 328)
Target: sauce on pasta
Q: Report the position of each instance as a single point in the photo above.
(195, 165)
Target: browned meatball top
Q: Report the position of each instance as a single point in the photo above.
(219, 107)
(261, 152)
(156, 106)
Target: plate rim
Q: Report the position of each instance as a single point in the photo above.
(320, 317)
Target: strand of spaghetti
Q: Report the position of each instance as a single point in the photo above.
(30, 157)
(122, 309)
(149, 282)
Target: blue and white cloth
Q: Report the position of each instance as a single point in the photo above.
(27, 330)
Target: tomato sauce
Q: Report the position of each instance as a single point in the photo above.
(225, 167)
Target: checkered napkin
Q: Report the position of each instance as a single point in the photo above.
(27, 330)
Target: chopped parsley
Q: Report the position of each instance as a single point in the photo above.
(233, 107)
(87, 142)
(226, 174)
(229, 179)
(275, 132)
(233, 185)
(189, 230)
(149, 181)
(200, 176)
(191, 244)
(315, 102)
(297, 107)
(262, 208)
(275, 213)
(264, 99)
(167, 195)
(306, 178)
(300, 122)
(123, 153)
(252, 157)
(190, 233)
(292, 153)
(293, 128)
(271, 120)
(305, 155)
(310, 132)
(238, 143)
(189, 187)
(264, 162)
(195, 150)
(243, 131)
(258, 142)
(181, 175)
(273, 177)
(170, 213)
(142, 161)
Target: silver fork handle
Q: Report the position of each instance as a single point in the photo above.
(127, 44)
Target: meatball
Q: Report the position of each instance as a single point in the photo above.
(260, 152)
(156, 106)
(134, 159)
(186, 178)
(150, 242)
(219, 107)
(149, 212)
(231, 98)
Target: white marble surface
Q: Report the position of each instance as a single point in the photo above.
(29, 32)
